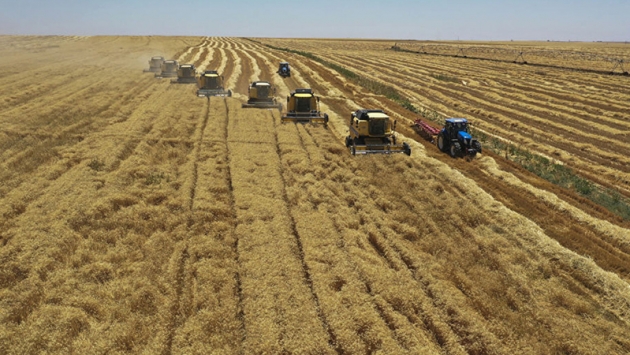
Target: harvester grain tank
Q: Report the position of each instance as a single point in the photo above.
(303, 107)
(261, 96)
(168, 69)
(284, 69)
(373, 132)
(211, 84)
(455, 138)
(155, 65)
(186, 74)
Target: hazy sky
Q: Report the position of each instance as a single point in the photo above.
(606, 20)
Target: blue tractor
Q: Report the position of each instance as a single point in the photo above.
(284, 69)
(456, 139)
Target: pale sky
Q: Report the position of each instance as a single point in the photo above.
(560, 20)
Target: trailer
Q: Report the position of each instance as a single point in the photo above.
(427, 131)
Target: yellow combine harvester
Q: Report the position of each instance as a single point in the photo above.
(261, 96)
(186, 74)
(155, 65)
(168, 69)
(211, 84)
(372, 132)
(303, 107)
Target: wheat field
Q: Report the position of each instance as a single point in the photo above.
(138, 218)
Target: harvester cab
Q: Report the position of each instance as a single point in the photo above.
(303, 107)
(168, 69)
(211, 84)
(284, 69)
(261, 96)
(155, 65)
(373, 132)
(186, 74)
(456, 139)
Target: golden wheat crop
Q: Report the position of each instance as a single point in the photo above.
(138, 218)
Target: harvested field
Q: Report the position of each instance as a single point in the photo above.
(580, 119)
(138, 218)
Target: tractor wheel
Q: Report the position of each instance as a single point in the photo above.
(441, 143)
(477, 146)
(229, 93)
(456, 150)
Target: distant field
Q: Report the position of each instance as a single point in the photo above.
(138, 218)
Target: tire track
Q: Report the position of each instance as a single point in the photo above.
(235, 245)
(198, 144)
(428, 320)
(213, 288)
(300, 248)
(177, 268)
(281, 315)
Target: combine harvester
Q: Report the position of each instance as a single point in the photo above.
(284, 70)
(261, 96)
(168, 69)
(303, 107)
(211, 84)
(186, 74)
(454, 138)
(155, 65)
(372, 132)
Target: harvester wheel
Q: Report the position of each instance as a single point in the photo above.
(229, 93)
(348, 142)
(353, 150)
(407, 148)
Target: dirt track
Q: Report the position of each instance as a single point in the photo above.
(136, 217)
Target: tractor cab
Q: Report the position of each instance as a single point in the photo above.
(457, 125)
